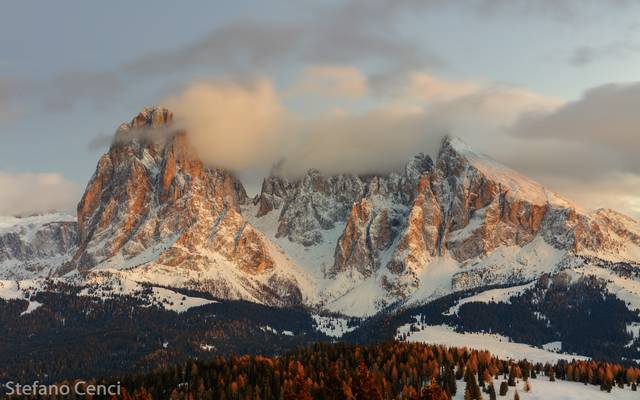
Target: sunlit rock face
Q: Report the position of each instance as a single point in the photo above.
(152, 199)
(155, 213)
(497, 225)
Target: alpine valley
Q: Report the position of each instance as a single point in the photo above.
(168, 259)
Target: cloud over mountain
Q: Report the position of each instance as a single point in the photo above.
(31, 193)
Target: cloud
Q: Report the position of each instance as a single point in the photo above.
(619, 48)
(243, 126)
(427, 87)
(99, 142)
(585, 55)
(12, 91)
(586, 149)
(612, 191)
(31, 193)
(330, 81)
(232, 125)
(577, 149)
(605, 119)
(560, 10)
(335, 33)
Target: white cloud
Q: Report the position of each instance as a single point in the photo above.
(429, 88)
(330, 81)
(247, 127)
(31, 193)
(606, 118)
(232, 125)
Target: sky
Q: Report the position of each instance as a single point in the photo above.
(549, 88)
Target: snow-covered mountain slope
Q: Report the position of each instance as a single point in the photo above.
(498, 345)
(543, 389)
(155, 212)
(357, 245)
(464, 221)
(35, 246)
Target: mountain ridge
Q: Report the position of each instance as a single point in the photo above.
(153, 212)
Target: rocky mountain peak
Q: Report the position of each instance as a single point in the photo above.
(154, 117)
(154, 211)
(419, 164)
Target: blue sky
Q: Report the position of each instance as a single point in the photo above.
(71, 71)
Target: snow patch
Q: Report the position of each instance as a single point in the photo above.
(332, 326)
(498, 345)
(502, 295)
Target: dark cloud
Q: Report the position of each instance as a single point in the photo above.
(616, 49)
(589, 54)
(557, 9)
(360, 32)
(605, 118)
(12, 92)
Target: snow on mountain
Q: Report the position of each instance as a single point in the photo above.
(501, 295)
(20, 290)
(118, 284)
(543, 389)
(154, 214)
(498, 345)
(515, 185)
(35, 246)
(462, 222)
(332, 326)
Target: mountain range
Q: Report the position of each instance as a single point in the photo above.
(154, 214)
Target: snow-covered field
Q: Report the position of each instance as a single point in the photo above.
(491, 296)
(11, 290)
(332, 326)
(498, 345)
(105, 287)
(543, 389)
(108, 286)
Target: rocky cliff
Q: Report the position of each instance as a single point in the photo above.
(152, 203)
(35, 246)
(154, 213)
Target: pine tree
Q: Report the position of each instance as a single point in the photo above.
(300, 391)
(472, 390)
(492, 392)
(504, 388)
(365, 387)
(433, 392)
(449, 381)
(333, 388)
(512, 376)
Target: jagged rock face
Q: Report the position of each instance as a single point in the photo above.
(371, 229)
(466, 207)
(369, 210)
(275, 191)
(421, 239)
(151, 199)
(377, 221)
(480, 212)
(154, 211)
(310, 204)
(490, 206)
(35, 246)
